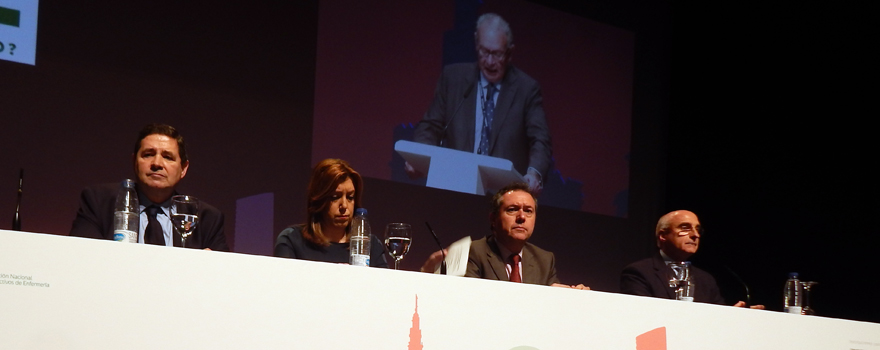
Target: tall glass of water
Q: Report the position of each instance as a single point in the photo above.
(808, 304)
(678, 272)
(184, 215)
(398, 237)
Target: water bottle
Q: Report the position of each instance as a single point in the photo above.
(360, 239)
(126, 219)
(792, 294)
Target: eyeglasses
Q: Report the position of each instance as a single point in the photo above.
(514, 211)
(485, 53)
(685, 229)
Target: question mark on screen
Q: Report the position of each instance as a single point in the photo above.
(11, 48)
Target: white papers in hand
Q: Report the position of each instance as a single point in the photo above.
(457, 257)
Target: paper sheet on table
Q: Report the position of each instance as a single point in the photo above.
(457, 257)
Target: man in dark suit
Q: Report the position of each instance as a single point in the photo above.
(160, 162)
(678, 237)
(490, 107)
(506, 255)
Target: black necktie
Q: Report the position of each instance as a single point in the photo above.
(153, 233)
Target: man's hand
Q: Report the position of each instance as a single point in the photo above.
(412, 172)
(431, 264)
(579, 286)
(533, 179)
(743, 304)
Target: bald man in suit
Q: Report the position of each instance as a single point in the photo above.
(678, 236)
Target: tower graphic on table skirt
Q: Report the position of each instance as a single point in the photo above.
(415, 334)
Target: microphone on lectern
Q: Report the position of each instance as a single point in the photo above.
(455, 112)
(436, 239)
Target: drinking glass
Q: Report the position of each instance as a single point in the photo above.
(685, 291)
(184, 215)
(398, 237)
(808, 307)
(679, 271)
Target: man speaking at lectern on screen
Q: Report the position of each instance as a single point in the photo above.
(490, 108)
(160, 162)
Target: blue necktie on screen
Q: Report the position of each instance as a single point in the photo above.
(488, 112)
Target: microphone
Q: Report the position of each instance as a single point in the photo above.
(743, 283)
(467, 93)
(436, 239)
(16, 220)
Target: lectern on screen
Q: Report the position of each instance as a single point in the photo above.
(459, 171)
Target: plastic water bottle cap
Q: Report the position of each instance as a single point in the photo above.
(360, 211)
(793, 275)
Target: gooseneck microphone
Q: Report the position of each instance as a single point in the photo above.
(467, 93)
(16, 220)
(436, 239)
(743, 283)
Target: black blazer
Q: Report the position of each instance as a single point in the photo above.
(94, 219)
(648, 278)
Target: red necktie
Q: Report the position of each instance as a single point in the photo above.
(514, 269)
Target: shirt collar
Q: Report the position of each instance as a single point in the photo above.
(145, 203)
(505, 253)
(668, 260)
(485, 83)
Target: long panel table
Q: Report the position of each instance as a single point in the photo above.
(62, 292)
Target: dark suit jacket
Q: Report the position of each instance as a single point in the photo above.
(519, 129)
(648, 278)
(94, 219)
(485, 261)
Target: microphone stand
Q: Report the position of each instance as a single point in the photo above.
(436, 239)
(16, 220)
(743, 283)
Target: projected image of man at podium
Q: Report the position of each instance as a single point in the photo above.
(490, 107)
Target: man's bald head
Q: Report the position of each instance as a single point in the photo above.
(678, 234)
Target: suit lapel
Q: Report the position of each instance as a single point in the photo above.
(503, 106)
(660, 272)
(529, 268)
(496, 261)
(469, 111)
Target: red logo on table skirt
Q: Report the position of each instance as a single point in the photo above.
(652, 340)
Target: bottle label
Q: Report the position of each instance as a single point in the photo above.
(125, 236)
(690, 299)
(359, 260)
(793, 309)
